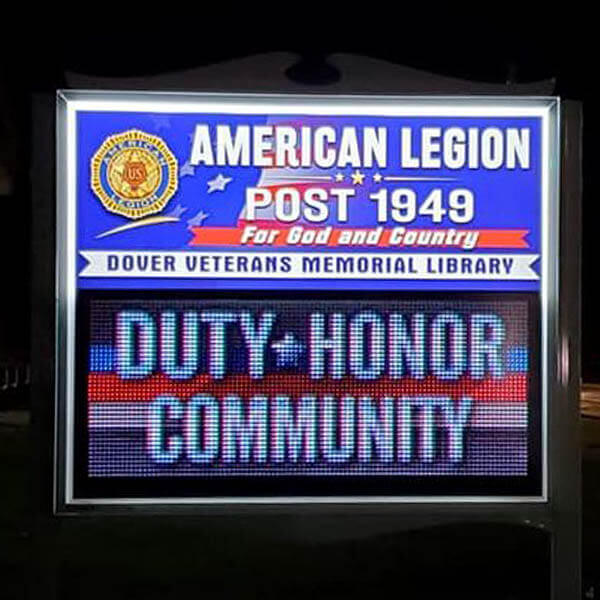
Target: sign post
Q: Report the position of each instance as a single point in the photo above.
(319, 304)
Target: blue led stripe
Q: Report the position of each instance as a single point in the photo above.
(102, 358)
(517, 359)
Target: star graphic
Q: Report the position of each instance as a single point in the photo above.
(177, 211)
(161, 122)
(358, 178)
(377, 177)
(339, 177)
(218, 183)
(288, 351)
(198, 219)
(186, 169)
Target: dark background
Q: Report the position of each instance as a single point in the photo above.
(291, 556)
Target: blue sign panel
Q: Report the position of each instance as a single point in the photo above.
(204, 201)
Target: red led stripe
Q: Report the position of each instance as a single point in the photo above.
(109, 387)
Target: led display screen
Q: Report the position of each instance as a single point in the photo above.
(408, 393)
(304, 299)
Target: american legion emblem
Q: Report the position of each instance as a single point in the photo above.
(134, 174)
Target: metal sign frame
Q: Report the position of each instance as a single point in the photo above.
(70, 103)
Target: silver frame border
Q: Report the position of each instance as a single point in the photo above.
(69, 103)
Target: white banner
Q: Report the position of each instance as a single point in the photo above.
(307, 265)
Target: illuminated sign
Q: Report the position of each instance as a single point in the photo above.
(304, 299)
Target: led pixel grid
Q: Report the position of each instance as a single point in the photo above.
(224, 388)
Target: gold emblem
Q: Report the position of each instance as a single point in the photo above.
(134, 174)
